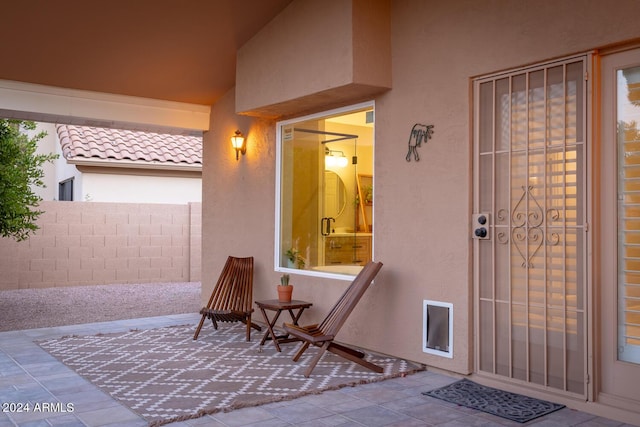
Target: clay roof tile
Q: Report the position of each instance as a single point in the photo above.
(104, 143)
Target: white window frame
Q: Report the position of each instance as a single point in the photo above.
(277, 247)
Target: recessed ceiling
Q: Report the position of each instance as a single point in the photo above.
(162, 49)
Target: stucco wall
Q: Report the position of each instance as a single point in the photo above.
(113, 187)
(103, 243)
(422, 210)
(315, 53)
(239, 196)
(47, 145)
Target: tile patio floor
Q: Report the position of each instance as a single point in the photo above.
(28, 373)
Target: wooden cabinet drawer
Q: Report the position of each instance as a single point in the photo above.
(347, 250)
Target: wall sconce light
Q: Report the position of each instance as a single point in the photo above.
(237, 141)
(335, 158)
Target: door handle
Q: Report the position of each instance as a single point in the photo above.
(325, 225)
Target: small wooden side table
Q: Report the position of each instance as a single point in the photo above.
(279, 307)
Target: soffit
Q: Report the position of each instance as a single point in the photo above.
(181, 51)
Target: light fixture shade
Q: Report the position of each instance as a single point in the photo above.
(237, 141)
(334, 158)
(341, 161)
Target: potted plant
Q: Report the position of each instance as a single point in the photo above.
(368, 194)
(295, 259)
(284, 289)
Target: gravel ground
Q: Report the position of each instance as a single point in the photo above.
(43, 308)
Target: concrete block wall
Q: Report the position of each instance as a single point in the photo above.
(85, 243)
(195, 242)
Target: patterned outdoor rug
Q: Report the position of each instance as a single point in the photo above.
(515, 407)
(164, 375)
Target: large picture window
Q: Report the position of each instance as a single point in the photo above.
(325, 193)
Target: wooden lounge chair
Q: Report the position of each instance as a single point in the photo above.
(322, 335)
(231, 299)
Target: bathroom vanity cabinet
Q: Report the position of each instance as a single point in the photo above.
(351, 249)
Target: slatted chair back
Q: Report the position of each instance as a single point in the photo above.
(331, 325)
(323, 335)
(232, 296)
(234, 288)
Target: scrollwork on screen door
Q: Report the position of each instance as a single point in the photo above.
(527, 228)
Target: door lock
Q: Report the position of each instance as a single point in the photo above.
(480, 225)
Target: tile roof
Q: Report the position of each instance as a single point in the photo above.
(83, 142)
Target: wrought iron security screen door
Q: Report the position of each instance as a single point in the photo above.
(529, 225)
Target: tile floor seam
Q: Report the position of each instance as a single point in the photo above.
(372, 403)
(53, 396)
(341, 414)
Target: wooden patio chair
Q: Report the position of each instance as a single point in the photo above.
(231, 299)
(322, 335)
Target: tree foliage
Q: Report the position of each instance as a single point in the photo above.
(20, 171)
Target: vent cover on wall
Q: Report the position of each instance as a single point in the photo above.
(437, 334)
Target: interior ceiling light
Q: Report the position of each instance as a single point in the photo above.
(335, 158)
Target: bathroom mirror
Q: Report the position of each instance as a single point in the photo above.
(335, 194)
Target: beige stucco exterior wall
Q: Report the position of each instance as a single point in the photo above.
(47, 145)
(239, 220)
(315, 53)
(113, 184)
(239, 197)
(422, 208)
(118, 187)
(105, 243)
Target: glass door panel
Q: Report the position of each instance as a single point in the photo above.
(628, 132)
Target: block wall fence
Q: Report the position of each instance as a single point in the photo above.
(85, 243)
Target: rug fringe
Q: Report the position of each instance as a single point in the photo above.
(102, 334)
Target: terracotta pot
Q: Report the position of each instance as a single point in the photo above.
(284, 293)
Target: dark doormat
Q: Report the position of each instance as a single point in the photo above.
(515, 407)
